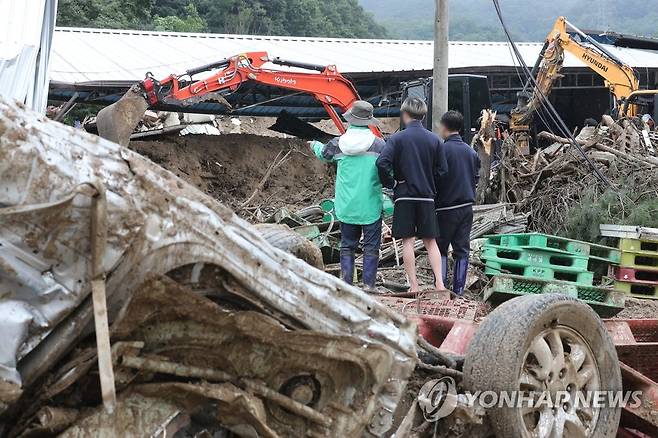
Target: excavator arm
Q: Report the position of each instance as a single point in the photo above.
(619, 77)
(324, 83)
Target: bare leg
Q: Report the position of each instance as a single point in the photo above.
(409, 259)
(434, 256)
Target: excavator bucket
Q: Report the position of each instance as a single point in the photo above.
(117, 121)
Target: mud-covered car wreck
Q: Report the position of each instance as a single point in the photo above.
(211, 327)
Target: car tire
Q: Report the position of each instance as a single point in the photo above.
(509, 353)
(283, 238)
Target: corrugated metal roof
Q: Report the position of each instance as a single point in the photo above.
(81, 55)
(26, 30)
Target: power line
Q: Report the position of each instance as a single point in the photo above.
(548, 106)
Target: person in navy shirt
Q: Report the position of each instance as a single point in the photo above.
(455, 199)
(415, 159)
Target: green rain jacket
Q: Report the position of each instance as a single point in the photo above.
(358, 186)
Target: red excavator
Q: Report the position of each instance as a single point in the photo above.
(117, 121)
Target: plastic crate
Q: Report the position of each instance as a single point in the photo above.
(638, 290)
(533, 257)
(633, 275)
(639, 260)
(605, 302)
(556, 244)
(452, 309)
(505, 267)
(637, 245)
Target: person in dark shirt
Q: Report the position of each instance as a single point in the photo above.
(414, 157)
(455, 199)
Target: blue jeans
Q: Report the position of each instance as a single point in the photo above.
(351, 234)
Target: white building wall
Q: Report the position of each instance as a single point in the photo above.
(26, 33)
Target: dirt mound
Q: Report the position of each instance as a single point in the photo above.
(230, 167)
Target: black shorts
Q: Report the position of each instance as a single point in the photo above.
(414, 219)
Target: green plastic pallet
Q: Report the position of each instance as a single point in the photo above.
(308, 231)
(639, 260)
(605, 302)
(556, 244)
(638, 290)
(534, 257)
(583, 278)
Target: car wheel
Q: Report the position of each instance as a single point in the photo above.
(283, 238)
(552, 345)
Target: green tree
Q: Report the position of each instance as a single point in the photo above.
(312, 18)
(192, 22)
(110, 14)
(336, 18)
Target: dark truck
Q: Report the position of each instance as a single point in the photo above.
(468, 94)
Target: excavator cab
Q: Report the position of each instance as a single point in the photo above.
(468, 94)
(646, 102)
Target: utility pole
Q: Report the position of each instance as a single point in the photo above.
(440, 93)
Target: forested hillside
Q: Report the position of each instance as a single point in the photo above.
(335, 18)
(529, 20)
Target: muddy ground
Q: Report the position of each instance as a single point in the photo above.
(230, 167)
(639, 309)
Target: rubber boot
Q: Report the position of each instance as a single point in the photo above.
(444, 270)
(347, 266)
(459, 276)
(370, 265)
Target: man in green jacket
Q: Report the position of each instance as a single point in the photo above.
(358, 201)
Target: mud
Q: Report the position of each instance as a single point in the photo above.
(230, 167)
(639, 309)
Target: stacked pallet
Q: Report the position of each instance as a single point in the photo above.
(533, 263)
(637, 274)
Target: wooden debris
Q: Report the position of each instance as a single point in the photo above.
(483, 143)
(547, 182)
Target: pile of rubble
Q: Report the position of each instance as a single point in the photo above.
(213, 332)
(548, 183)
(318, 224)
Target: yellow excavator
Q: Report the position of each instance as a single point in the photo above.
(619, 77)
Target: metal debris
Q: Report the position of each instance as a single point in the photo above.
(159, 226)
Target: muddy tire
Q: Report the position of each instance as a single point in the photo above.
(283, 238)
(545, 341)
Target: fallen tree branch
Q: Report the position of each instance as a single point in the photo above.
(276, 163)
(648, 159)
(556, 138)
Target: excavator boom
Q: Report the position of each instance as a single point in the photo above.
(324, 83)
(619, 77)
